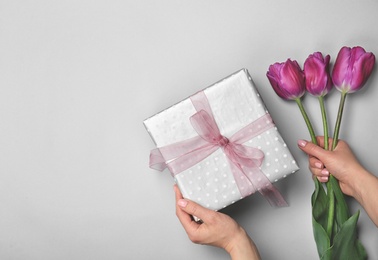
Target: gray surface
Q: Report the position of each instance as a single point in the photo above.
(79, 77)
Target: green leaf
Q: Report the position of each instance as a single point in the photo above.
(346, 244)
(342, 211)
(331, 211)
(321, 239)
(327, 255)
(319, 203)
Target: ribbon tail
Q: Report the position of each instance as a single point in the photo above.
(157, 160)
(273, 196)
(264, 186)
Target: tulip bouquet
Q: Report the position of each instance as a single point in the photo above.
(335, 229)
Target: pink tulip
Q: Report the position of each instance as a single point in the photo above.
(318, 78)
(352, 68)
(287, 79)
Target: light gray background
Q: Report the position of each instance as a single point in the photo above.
(77, 78)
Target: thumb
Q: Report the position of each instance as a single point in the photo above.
(312, 149)
(194, 209)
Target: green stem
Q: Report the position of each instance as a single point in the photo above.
(307, 120)
(325, 123)
(330, 193)
(338, 120)
(330, 187)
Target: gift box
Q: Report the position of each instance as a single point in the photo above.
(221, 144)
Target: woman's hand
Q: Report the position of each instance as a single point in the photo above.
(340, 162)
(353, 178)
(215, 228)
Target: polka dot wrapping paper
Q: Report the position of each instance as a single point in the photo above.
(235, 103)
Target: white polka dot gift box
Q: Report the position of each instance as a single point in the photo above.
(221, 144)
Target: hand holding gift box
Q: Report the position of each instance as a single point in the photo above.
(221, 144)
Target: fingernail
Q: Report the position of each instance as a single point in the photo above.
(325, 172)
(323, 179)
(182, 203)
(302, 143)
(318, 165)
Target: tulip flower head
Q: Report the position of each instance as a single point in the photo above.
(287, 79)
(318, 78)
(352, 68)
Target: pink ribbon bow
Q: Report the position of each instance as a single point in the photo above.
(245, 161)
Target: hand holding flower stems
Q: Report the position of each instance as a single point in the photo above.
(334, 229)
(353, 178)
